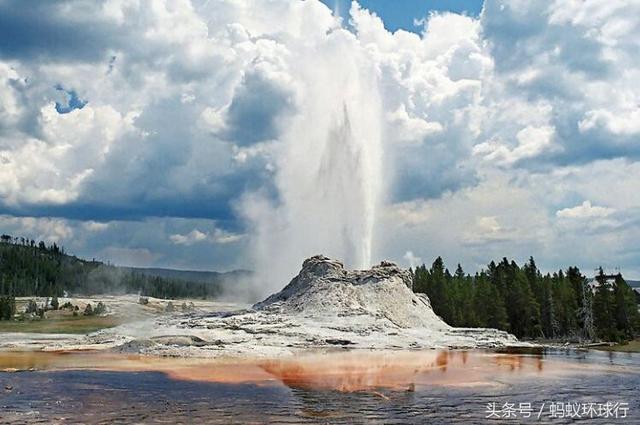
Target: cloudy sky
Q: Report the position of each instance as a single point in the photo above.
(136, 131)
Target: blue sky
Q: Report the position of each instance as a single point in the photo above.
(183, 134)
(404, 14)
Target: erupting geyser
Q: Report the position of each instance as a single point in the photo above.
(330, 189)
(328, 173)
(346, 180)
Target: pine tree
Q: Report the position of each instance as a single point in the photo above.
(497, 313)
(528, 304)
(436, 288)
(626, 310)
(586, 313)
(603, 307)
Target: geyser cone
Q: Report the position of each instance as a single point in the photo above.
(325, 289)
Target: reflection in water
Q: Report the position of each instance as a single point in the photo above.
(362, 371)
(337, 387)
(442, 359)
(344, 371)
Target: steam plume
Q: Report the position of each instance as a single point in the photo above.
(328, 169)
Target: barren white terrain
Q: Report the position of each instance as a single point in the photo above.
(324, 306)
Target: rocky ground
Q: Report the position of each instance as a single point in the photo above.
(324, 306)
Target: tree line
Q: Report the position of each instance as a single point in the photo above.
(523, 301)
(30, 269)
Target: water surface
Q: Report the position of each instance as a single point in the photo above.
(335, 387)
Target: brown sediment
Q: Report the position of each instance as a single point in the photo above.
(349, 371)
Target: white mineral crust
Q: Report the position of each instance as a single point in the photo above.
(323, 306)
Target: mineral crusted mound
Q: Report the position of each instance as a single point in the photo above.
(325, 305)
(323, 289)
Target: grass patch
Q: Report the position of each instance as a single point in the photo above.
(630, 347)
(62, 324)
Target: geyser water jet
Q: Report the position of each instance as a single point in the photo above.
(328, 168)
(345, 186)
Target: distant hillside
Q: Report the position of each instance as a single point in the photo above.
(29, 269)
(192, 275)
(634, 283)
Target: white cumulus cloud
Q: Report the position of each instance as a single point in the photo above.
(585, 210)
